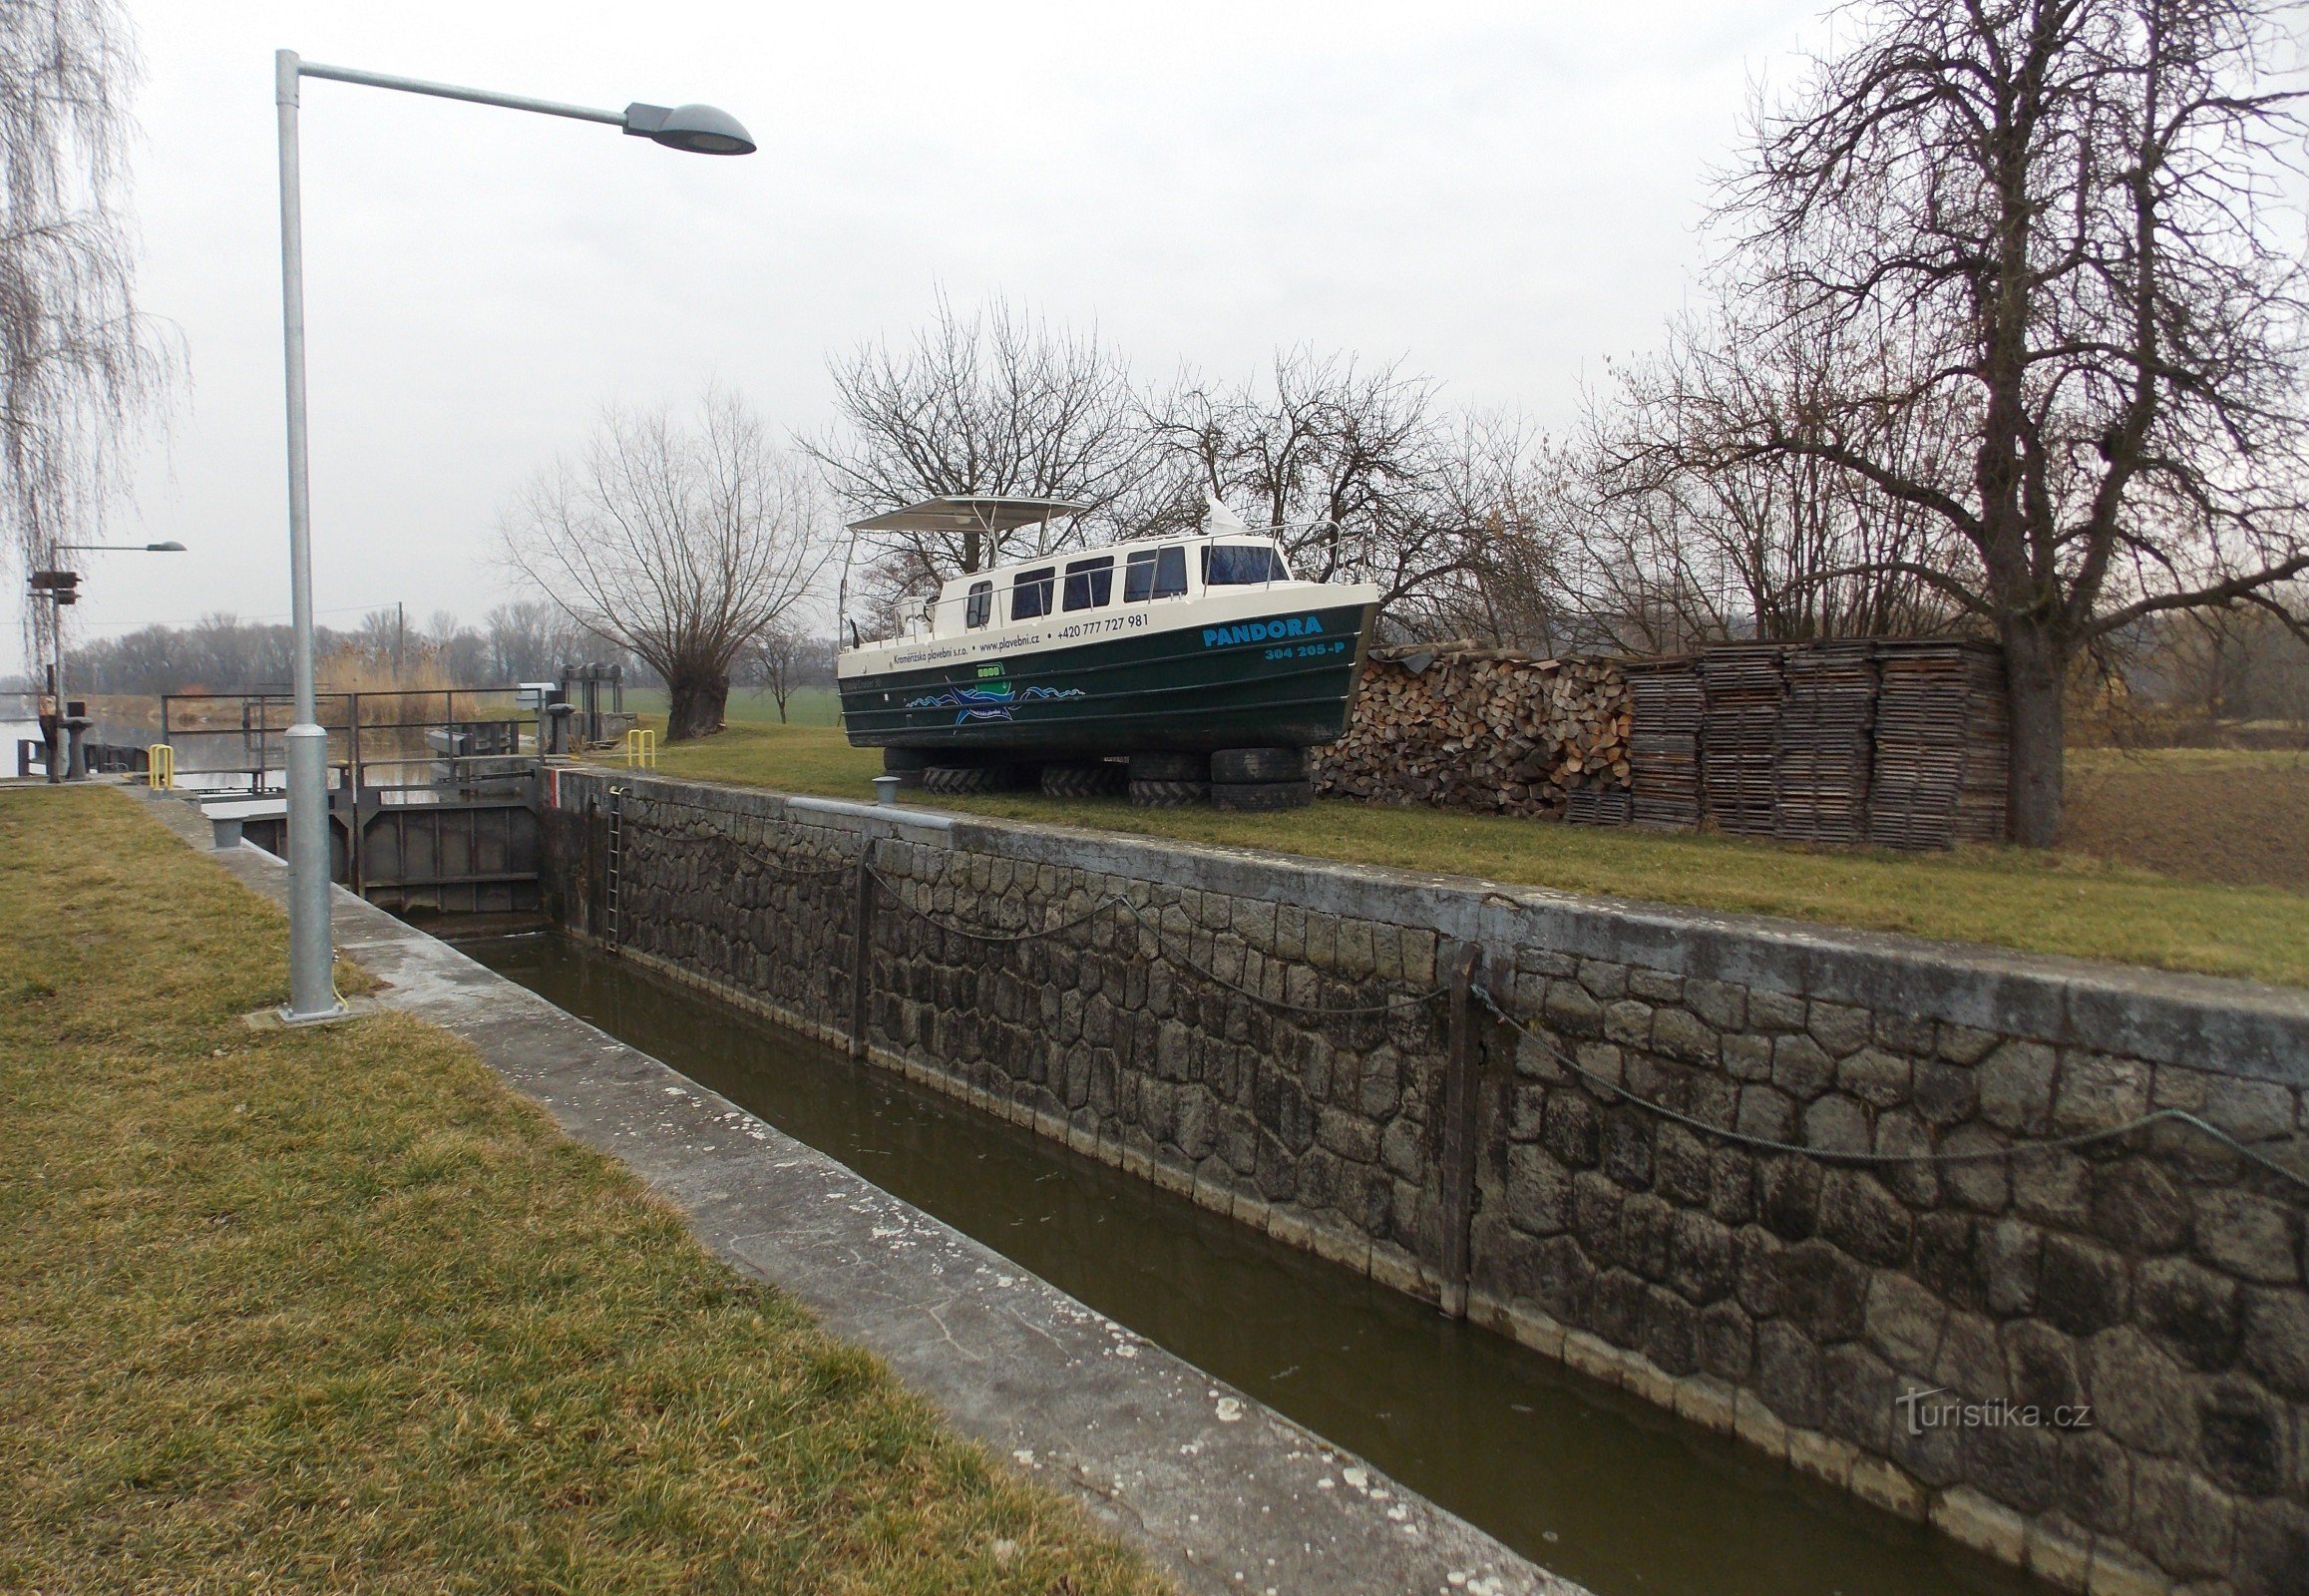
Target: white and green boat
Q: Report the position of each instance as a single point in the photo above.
(1186, 645)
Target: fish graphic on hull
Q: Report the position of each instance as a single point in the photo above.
(989, 704)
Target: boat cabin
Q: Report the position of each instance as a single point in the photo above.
(1100, 582)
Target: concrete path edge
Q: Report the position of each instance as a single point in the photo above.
(1225, 1493)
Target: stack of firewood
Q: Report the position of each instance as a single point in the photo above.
(1463, 727)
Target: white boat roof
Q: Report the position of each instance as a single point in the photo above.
(985, 513)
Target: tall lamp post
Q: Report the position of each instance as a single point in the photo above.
(63, 587)
(698, 130)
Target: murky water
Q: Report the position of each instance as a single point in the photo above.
(1579, 1478)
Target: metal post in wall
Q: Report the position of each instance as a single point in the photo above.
(1461, 1081)
(861, 948)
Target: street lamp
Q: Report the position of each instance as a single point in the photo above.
(697, 129)
(61, 587)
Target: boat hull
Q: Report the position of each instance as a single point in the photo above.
(1278, 681)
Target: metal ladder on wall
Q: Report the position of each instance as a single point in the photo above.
(612, 919)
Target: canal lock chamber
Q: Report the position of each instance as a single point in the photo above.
(1589, 1482)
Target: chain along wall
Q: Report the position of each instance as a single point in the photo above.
(1779, 1179)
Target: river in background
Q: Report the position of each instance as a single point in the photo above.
(1589, 1482)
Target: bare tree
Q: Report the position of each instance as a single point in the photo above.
(681, 543)
(530, 640)
(779, 660)
(79, 366)
(2064, 214)
(995, 403)
(1353, 468)
(1784, 544)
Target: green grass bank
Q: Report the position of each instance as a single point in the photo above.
(2068, 901)
(334, 1310)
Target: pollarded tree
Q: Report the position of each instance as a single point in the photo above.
(680, 543)
(2066, 213)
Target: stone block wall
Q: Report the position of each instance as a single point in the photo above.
(1891, 1326)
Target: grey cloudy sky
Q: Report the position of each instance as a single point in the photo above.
(1499, 195)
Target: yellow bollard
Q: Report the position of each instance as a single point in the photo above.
(159, 766)
(640, 748)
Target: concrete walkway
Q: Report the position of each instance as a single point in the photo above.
(1227, 1495)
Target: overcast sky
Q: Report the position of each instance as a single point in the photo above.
(1497, 194)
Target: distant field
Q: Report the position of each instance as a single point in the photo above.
(750, 706)
(2208, 814)
(2068, 902)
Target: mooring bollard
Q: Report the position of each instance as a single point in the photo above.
(225, 832)
(886, 790)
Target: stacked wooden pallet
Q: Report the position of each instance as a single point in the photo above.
(1666, 705)
(1740, 733)
(1483, 729)
(1825, 741)
(1941, 745)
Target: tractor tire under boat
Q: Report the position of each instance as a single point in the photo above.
(1101, 779)
(1168, 794)
(958, 780)
(1259, 796)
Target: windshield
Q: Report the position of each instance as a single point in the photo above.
(1228, 565)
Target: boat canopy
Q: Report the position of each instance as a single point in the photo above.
(992, 513)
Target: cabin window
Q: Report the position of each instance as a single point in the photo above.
(1154, 573)
(1030, 592)
(1233, 564)
(1089, 584)
(981, 608)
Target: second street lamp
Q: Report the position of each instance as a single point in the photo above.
(62, 588)
(696, 129)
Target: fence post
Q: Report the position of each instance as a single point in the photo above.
(861, 948)
(1461, 1083)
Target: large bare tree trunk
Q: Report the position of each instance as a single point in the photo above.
(2035, 679)
(697, 705)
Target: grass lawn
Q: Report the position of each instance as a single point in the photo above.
(2068, 903)
(752, 706)
(335, 1311)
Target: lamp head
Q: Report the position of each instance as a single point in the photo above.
(700, 129)
(170, 547)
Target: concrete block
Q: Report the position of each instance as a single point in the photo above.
(1822, 1457)
(1710, 1403)
(2114, 1574)
(1888, 1486)
(1758, 1425)
(1595, 1358)
(1969, 1518)
(2060, 1555)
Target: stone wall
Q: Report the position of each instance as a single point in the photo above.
(2155, 1279)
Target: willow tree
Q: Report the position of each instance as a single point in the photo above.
(80, 365)
(682, 542)
(2069, 216)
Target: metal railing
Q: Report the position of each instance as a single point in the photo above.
(391, 746)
